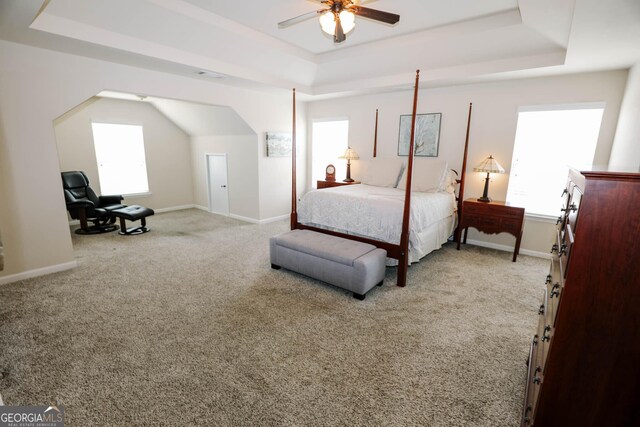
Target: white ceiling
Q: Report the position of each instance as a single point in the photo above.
(453, 42)
(193, 118)
(416, 15)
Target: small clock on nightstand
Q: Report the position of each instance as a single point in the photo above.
(330, 173)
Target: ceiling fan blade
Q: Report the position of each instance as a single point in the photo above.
(300, 18)
(339, 36)
(377, 15)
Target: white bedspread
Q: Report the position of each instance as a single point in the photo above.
(376, 212)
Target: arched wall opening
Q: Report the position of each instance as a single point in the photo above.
(177, 137)
(39, 85)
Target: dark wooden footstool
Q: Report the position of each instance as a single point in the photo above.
(133, 213)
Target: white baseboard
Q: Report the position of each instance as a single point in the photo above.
(259, 221)
(37, 272)
(176, 208)
(234, 216)
(206, 209)
(161, 210)
(275, 219)
(509, 249)
(247, 219)
(244, 218)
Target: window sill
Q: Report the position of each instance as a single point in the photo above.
(541, 218)
(147, 194)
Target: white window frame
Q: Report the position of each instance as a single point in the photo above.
(119, 157)
(340, 165)
(568, 162)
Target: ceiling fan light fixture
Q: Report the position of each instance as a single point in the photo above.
(348, 20)
(328, 22)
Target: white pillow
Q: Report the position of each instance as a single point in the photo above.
(450, 182)
(382, 172)
(428, 176)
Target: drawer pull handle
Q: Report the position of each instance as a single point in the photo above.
(554, 248)
(541, 309)
(536, 378)
(555, 290)
(548, 280)
(563, 250)
(535, 340)
(560, 218)
(572, 208)
(545, 335)
(527, 420)
(565, 191)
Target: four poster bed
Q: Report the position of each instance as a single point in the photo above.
(408, 225)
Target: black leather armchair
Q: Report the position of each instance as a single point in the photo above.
(83, 204)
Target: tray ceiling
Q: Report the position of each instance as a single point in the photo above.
(451, 42)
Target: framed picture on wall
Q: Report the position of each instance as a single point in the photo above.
(427, 135)
(278, 144)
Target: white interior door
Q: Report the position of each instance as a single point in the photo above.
(218, 190)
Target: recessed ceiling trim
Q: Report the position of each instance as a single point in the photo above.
(445, 75)
(203, 15)
(211, 74)
(485, 23)
(69, 28)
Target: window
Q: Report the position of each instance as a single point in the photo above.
(549, 141)
(122, 167)
(329, 139)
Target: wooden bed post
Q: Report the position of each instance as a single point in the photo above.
(375, 136)
(294, 195)
(463, 174)
(403, 261)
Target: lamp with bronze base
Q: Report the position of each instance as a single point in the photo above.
(488, 165)
(350, 154)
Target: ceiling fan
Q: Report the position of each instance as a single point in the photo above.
(338, 19)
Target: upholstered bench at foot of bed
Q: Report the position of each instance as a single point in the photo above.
(133, 213)
(351, 265)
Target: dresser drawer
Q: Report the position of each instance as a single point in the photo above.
(554, 287)
(475, 219)
(545, 333)
(511, 225)
(501, 211)
(574, 207)
(534, 380)
(565, 241)
(492, 224)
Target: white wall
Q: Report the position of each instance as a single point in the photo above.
(167, 149)
(625, 154)
(242, 172)
(38, 85)
(276, 171)
(493, 127)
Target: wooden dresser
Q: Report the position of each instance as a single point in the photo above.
(584, 364)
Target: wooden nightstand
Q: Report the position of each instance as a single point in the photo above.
(328, 184)
(492, 218)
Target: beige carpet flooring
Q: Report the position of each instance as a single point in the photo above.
(189, 325)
